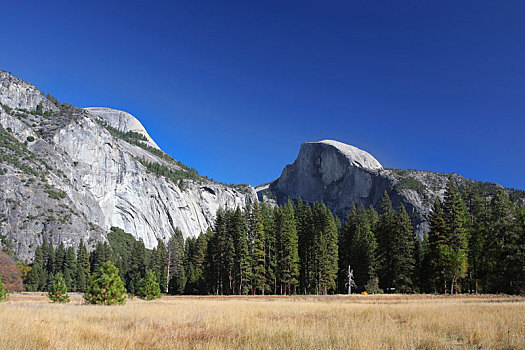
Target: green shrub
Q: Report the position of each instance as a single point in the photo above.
(149, 288)
(106, 287)
(409, 183)
(3, 291)
(58, 291)
(55, 194)
(30, 139)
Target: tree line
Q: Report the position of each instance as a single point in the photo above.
(474, 244)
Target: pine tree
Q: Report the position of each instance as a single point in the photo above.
(437, 241)
(69, 269)
(345, 245)
(137, 269)
(242, 268)
(385, 234)
(326, 256)
(60, 256)
(175, 264)
(258, 257)
(106, 287)
(83, 267)
(520, 280)
(37, 276)
(477, 242)
(417, 276)
(159, 262)
(505, 254)
(270, 248)
(456, 248)
(403, 252)
(148, 287)
(362, 253)
(100, 255)
(212, 271)
(58, 291)
(306, 247)
(287, 249)
(51, 261)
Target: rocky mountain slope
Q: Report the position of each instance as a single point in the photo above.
(342, 175)
(68, 174)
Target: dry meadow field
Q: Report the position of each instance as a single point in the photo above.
(30, 321)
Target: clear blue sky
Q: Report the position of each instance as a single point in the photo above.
(233, 88)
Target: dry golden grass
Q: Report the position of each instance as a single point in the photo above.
(29, 321)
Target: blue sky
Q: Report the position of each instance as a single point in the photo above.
(233, 88)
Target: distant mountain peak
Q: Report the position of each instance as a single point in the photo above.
(123, 121)
(357, 157)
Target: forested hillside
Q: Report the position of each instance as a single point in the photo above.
(474, 245)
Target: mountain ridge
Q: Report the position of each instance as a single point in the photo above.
(326, 174)
(66, 176)
(68, 173)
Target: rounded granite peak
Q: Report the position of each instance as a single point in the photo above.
(357, 156)
(120, 120)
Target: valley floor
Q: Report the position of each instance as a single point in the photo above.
(30, 321)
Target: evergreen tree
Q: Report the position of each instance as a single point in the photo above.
(58, 290)
(326, 255)
(83, 267)
(418, 275)
(477, 242)
(520, 280)
(50, 262)
(386, 236)
(455, 249)
(69, 269)
(100, 255)
(60, 256)
(362, 253)
(175, 264)
(242, 268)
(148, 287)
(403, 252)
(505, 253)
(437, 241)
(258, 258)
(137, 267)
(159, 262)
(346, 237)
(37, 276)
(306, 247)
(105, 286)
(212, 270)
(270, 248)
(287, 250)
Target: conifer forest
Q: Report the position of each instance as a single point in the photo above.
(474, 245)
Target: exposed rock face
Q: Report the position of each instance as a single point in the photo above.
(336, 173)
(16, 93)
(342, 175)
(74, 179)
(122, 121)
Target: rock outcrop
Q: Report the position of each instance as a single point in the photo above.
(122, 121)
(66, 176)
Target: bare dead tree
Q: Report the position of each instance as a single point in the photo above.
(351, 282)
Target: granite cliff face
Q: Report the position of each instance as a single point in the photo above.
(68, 173)
(341, 175)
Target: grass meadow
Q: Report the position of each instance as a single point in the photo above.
(30, 321)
